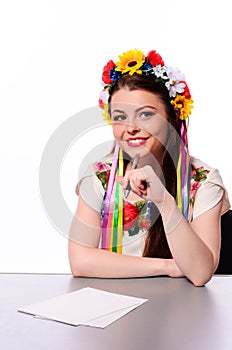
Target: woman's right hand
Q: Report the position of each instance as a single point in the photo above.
(154, 190)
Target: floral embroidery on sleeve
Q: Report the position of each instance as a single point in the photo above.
(198, 176)
(102, 171)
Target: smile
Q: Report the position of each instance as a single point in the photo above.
(136, 142)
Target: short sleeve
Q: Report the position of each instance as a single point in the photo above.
(211, 191)
(91, 191)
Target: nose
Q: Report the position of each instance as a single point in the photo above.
(132, 129)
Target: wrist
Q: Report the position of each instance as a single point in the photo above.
(167, 203)
(168, 266)
(170, 213)
(160, 266)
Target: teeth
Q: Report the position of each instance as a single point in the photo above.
(135, 141)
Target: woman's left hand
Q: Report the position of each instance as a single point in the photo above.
(145, 183)
(173, 269)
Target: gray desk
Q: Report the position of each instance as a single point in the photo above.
(177, 316)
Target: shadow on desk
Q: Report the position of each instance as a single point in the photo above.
(225, 262)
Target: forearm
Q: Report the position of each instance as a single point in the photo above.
(94, 262)
(191, 254)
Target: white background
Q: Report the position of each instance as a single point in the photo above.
(52, 55)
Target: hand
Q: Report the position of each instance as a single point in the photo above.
(145, 183)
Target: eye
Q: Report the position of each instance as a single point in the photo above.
(146, 114)
(119, 118)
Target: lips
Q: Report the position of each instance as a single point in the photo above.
(135, 142)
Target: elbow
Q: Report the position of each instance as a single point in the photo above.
(79, 267)
(203, 276)
(75, 267)
(202, 280)
(76, 270)
(79, 262)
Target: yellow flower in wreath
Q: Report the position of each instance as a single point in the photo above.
(130, 62)
(184, 105)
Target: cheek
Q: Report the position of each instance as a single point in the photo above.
(158, 129)
(118, 130)
(158, 136)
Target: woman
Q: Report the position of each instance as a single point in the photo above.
(148, 209)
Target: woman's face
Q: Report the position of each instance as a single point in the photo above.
(139, 122)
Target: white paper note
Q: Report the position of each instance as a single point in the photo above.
(104, 321)
(87, 306)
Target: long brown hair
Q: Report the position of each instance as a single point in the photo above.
(156, 243)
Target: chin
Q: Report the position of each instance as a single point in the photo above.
(132, 151)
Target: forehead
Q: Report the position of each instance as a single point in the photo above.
(128, 98)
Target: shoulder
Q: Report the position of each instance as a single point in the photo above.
(207, 187)
(93, 182)
(198, 163)
(95, 172)
(102, 171)
(205, 173)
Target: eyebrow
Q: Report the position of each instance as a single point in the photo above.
(147, 106)
(137, 110)
(118, 111)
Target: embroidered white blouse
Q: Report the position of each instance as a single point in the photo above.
(209, 192)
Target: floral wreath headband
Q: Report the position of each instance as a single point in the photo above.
(134, 61)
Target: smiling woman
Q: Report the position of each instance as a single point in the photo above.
(169, 223)
(139, 119)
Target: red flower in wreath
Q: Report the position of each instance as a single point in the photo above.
(106, 72)
(154, 58)
(130, 213)
(101, 103)
(186, 92)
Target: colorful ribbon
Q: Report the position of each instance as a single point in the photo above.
(183, 173)
(109, 191)
(112, 226)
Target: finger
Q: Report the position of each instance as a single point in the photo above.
(135, 186)
(141, 184)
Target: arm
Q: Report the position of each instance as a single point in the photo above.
(86, 259)
(195, 246)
